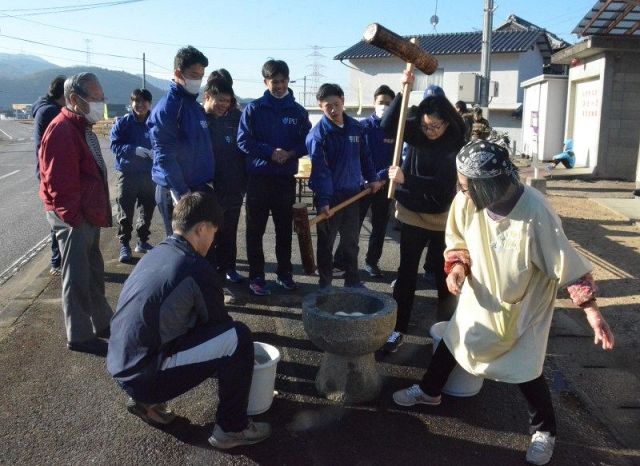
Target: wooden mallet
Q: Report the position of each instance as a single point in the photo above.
(408, 51)
(302, 226)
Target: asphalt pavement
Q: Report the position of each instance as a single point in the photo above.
(59, 407)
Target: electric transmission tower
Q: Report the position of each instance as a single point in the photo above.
(316, 72)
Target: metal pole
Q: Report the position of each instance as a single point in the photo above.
(144, 71)
(485, 56)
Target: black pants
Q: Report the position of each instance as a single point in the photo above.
(413, 240)
(225, 351)
(379, 204)
(536, 391)
(266, 195)
(226, 244)
(347, 223)
(132, 189)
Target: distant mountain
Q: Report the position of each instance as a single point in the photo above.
(117, 85)
(17, 65)
(157, 82)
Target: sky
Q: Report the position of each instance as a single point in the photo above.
(240, 35)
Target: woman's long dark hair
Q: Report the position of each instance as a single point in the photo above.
(440, 107)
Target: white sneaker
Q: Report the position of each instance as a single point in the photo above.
(229, 297)
(254, 433)
(541, 448)
(413, 396)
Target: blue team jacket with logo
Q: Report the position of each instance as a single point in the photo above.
(267, 124)
(340, 161)
(183, 157)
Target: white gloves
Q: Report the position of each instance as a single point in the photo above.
(143, 152)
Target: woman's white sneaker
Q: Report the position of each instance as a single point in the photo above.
(413, 396)
(541, 448)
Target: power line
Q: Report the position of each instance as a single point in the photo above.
(168, 44)
(67, 48)
(67, 9)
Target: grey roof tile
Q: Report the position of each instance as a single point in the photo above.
(454, 44)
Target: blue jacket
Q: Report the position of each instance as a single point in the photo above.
(267, 124)
(231, 170)
(172, 290)
(126, 134)
(43, 111)
(183, 157)
(379, 144)
(340, 161)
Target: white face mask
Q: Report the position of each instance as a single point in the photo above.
(380, 109)
(96, 111)
(192, 86)
(279, 97)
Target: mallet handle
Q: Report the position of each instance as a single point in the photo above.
(320, 217)
(397, 151)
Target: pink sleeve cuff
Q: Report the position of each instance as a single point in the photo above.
(583, 291)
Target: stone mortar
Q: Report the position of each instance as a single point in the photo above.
(348, 370)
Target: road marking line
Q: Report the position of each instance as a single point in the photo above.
(13, 268)
(9, 174)
(7, 134)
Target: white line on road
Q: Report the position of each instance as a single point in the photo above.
(7, 134)
(9, 174)
(13, 268)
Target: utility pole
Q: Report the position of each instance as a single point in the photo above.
(144, 72)
(485, 56)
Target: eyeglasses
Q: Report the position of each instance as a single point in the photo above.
(462, 189)
(432, 126)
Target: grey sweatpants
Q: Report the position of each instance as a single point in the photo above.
(85, 307)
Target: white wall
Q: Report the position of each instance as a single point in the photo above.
(547, 96)
(584, 110)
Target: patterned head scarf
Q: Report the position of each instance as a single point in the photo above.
(482, 159)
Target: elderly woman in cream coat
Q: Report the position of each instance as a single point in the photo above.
(506, 257)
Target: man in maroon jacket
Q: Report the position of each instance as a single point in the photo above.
(74, 190)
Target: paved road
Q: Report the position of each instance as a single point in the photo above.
(23, 225)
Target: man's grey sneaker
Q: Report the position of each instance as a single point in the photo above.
(55, 271)
(373, 270)
(125, 253)
(254, 433)
(541, 448)
(229, 297)
(155, 414)
(413, 396)
(394, 341)
(143, 247)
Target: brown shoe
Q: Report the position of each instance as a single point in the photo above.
(155, 414)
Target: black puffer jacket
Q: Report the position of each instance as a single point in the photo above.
(429, 167)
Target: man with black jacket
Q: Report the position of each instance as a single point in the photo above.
(43, 111)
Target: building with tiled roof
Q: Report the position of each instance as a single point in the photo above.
(519, 51)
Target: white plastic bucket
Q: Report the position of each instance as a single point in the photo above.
(460, 382)
(264, 378)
